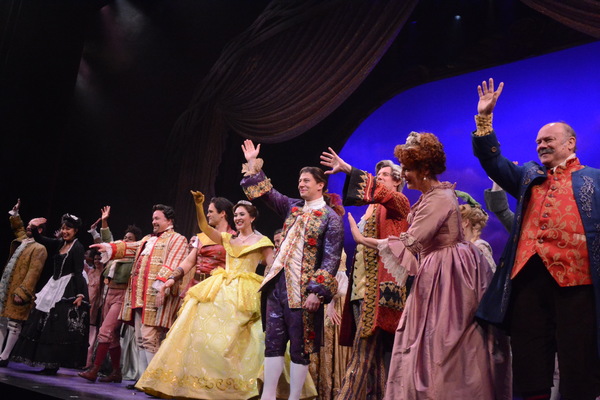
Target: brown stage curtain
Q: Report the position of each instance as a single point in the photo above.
(290, 69)
(581, 15)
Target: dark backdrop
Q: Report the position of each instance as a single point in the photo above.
(89, 91)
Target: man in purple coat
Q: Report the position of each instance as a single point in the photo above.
(302, 276)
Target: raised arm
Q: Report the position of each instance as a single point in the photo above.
(487, 102)
(251, 153)
(105, 214)
(16, 222)
(211, 232)
(336, 163)
(488, 96)
(52, 243)
(92, 231)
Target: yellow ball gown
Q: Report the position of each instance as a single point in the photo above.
(215, 348)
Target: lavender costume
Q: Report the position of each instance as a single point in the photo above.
(306, 262)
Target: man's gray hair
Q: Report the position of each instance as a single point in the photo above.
(569, 132)
(396, 171)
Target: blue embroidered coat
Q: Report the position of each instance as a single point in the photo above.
(518, 181)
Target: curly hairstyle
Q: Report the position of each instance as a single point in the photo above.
(135, 231)
(475, 215)
(423, 153)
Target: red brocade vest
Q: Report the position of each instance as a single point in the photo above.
(552, 229)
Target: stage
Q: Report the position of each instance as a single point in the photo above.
(21, 382)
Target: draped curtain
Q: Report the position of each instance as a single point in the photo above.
(290, 69)
(581, 15)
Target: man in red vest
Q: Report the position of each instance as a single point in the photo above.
(547, 286)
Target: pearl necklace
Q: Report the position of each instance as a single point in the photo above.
(243, 240)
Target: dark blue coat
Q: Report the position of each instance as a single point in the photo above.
(518, 180)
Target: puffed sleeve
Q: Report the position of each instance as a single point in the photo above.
(259, 186)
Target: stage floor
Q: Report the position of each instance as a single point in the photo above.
(22, 383)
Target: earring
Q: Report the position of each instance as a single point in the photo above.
(424, 178)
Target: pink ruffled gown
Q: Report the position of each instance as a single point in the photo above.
(440, 351)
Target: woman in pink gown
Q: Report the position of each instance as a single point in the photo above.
(440, 351)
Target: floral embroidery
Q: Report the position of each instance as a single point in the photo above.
(311, 335)
(312, 242)
(219, 385)
(324, 278)
(585, 194)
(256, 191)
(318, 213)
(294, 209)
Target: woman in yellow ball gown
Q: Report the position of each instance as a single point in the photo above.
(215, 348)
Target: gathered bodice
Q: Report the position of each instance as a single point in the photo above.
(244, 258)
(448, 234)
(435, 220)
(238, 275)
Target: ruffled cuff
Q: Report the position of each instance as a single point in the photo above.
(484, 124)
(255, 169)
(342, 280)
(403, 250)
(94, 233)
(107, 255)
(323, 284)
(391, 263)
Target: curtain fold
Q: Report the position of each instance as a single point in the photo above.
(581, 15)
(288, 71)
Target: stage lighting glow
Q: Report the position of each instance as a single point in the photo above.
(561, 86)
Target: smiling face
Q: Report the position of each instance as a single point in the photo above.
(67, 233)
(309, 188)
(413, 178)
(242, 219)
(160, 223)
(554, 145)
